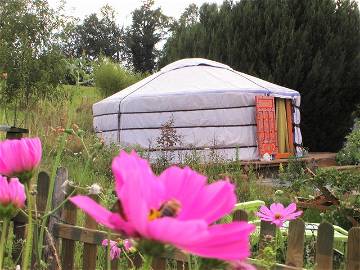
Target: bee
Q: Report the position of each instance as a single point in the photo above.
(170, 208)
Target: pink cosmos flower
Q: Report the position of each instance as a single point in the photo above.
(127, 244)
(278, 214)
(115, 251)
(12, 196)
(19, 156)
(178, 208)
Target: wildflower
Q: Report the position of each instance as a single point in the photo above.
(177, 208)
(95, 189)
(20, 157)
(115, 251)
(12, 197)
(128, 245)
(66, 186)
(278, 214)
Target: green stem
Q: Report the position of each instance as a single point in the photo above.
(147, 261)
(108, 259)
(3, 240)
(29, 233)
(60, 205)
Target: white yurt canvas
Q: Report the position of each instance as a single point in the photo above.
(211, 105)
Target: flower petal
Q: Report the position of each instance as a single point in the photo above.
(97, 212)
(224, 241)
(198, 200)
(137, 188)
(176, 232)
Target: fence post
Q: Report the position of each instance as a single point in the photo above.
(52, 247)
(295, 248)
(68, 246)
(353, 249)
(266, 229)
(324, 247)
(240, 215)
(90, 250)
(42, 189)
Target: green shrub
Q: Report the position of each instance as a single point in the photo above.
(350, 153)
(111, 77)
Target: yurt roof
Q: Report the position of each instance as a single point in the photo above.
(194, 75)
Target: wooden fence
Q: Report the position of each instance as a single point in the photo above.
(62, 235)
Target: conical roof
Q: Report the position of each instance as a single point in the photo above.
(193, 77)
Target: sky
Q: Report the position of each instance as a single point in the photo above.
(123, 8)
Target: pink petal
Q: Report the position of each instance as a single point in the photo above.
(277, 208)
(264, 217)
(18, 156)
(137, 188)
(16, 193)
(97, 212)
(266, 211)
(176, 232)
(198, 200)
(294, 215)
(224, 241)
(278, 222)
(290, 209)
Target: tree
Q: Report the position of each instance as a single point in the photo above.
(29, 55)
(97, 36)
(147, 30)
(310, 46)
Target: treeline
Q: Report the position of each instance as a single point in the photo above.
(42, 48)
(100, 35)
(311, 46)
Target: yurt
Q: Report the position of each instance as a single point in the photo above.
(209, 107)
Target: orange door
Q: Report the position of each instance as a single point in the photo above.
(266, 126)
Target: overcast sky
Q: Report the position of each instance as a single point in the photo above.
(123, 8)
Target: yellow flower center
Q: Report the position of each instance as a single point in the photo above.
(278, 216)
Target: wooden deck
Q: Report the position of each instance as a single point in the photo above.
(319, 159)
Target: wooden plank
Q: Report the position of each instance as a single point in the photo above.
(266, 229)
(295, 248)
(353, 249)
(68, 246)
(159, 264)
(42, 189)
(285, 267)
(90, 250)
(324, 247)
(53, 246)
(75, 233)
(240, 215)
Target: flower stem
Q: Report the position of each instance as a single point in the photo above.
(147, 261)
(108, 259)
(3, 240)
(29, 233)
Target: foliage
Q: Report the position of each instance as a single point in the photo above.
(28, 53)
(95, 36)
(146, 31)
(79, 71)
(111, 77)
(350, 153)
(310, 46)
